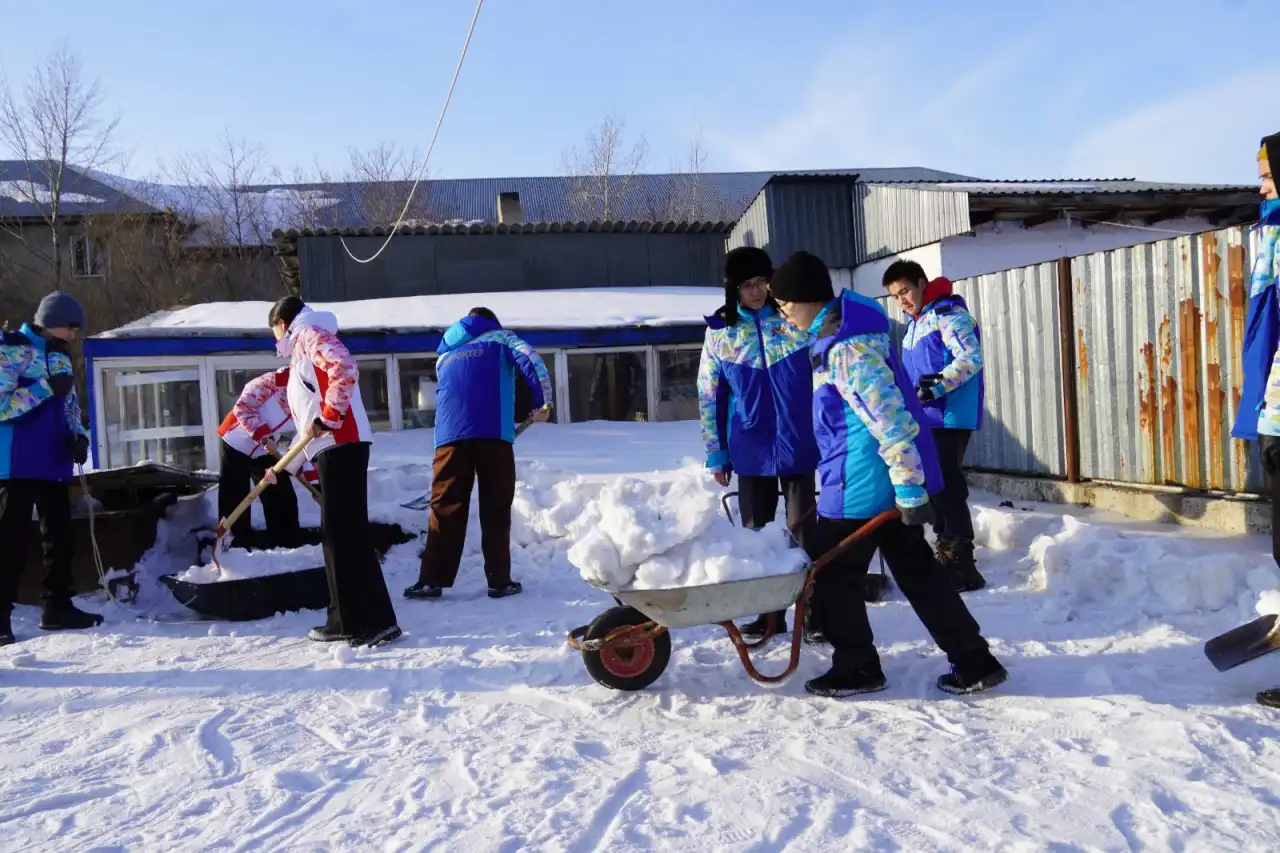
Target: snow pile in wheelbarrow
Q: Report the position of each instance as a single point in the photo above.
(643, 535)
(238, 564)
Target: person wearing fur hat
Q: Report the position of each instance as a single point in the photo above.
(1258, 417)
(942, 354)
(874, 457)
(42, 439)
(754, 401)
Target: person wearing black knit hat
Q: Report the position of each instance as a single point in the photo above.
(754, 395)
(874, 459)
(1258, 415)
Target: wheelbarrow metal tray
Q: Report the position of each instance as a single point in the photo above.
(247, 599)
(686, 607)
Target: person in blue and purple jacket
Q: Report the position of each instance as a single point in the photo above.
(873, 458)
(942, 354)
(754, 394)
(477, 368)
(42, 439)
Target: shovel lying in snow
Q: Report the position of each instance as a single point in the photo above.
(423, 501)
(225, 524)
(1243, 644)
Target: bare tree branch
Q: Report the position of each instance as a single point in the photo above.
(603, 173)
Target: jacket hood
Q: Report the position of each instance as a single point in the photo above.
(324, 320)
(847, 315)
(467, 329)
(935, 290)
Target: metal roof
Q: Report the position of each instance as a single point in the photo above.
(25, 193)
(614, 227)
(1072, 186)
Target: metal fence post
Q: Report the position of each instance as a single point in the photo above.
(1067, 345)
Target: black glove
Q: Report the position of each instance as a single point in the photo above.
(57, 345)
(917, 516)
(927, 390)
(80, 449)
(320, 426)
(26, 381)
(62, 383)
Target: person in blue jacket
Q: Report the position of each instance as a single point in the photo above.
(477, 368)
(42, 439)
(1258, 417)
(874, 458)
(942, 354)
(754, 393)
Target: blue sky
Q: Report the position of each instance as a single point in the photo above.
(1166, 90)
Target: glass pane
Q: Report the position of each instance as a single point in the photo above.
(373, 392)
(608, 386)
(550, 359)
(418, 392)
(229, 383)
(678, 385)
(155, 405)
(186, 452)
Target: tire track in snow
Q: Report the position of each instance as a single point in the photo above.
(218, 753)
(608, 815)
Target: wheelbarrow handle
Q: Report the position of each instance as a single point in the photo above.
(285, 461)
(852, 539)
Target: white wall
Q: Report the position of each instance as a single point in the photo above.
(997, 246)
(866, 277)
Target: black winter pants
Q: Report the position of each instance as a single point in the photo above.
(236, 475)
(359, 604)
(758, 505)
(52, 503)
(954, 524)
(843, 611)
(1270, 449)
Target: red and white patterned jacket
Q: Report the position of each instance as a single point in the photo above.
(261, 412)
(323, 382)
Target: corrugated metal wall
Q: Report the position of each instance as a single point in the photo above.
(1159, 331)
(752, 228)
(787, 216)
(484, 263)
(889, 219)
(1017, 311)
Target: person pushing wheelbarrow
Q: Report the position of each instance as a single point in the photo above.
(869, 462)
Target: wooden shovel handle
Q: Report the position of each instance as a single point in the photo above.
(285, 461)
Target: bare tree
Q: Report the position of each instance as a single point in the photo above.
(56, 125)
(603, 173)
(373, 189)
(680, 197)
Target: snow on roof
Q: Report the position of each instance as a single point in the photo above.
(586, 308)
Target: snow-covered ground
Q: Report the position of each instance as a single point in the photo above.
(481, 731)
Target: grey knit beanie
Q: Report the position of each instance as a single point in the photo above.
(59, 309)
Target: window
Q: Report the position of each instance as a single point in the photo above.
(153, 414)
(418, 392)
(88, 257)
(373, 392)
(608, 386)
(678, 384)
(230, 382)
(549, 358)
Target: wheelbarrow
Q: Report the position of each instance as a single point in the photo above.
(628, 646)
(874, 584)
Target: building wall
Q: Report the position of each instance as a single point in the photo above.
(787, 216)
(482, 263)
(866, 277)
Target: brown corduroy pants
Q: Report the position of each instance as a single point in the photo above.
(457, 467)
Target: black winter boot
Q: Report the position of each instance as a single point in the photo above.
(961, 567)
(837, 685)
(513, 588)
(758, 627)
(65, 616)
(421, 591)
(813, 635)
(981, 674)
(6, 630)
(1270, 698)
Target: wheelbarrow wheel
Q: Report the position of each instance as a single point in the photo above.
(632, 667)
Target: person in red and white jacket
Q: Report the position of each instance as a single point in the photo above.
(249, 433)
(323, 393)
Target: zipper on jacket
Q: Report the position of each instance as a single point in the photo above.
(768, 377)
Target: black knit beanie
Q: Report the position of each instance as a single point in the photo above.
(742, 264)
(803, 278)
(1271, 145)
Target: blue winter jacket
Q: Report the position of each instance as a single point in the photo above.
(866, 416)
(37, 428)
(476, 375)
(755, 396)
(945, 341)
(1259, 412)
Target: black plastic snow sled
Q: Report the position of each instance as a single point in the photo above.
(1243, 644)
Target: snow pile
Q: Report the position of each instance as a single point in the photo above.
(238, 564)
(1006, 529)
(643, 535)
(1269, 603)
(1095, 567)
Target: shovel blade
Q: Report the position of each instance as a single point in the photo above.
(1243, 644)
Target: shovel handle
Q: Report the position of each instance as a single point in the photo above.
(285, 461)
(528, 422)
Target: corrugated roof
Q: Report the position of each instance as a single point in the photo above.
(1076, 186)
(514, 228)
(24, 193)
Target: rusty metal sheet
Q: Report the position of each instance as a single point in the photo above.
(1159, 330)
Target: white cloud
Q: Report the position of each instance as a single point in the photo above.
(1207, 134)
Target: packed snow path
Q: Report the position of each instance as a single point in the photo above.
(481, 731)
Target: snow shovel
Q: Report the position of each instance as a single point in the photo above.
(225, 524)
(1243, 644)
(423, 501)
